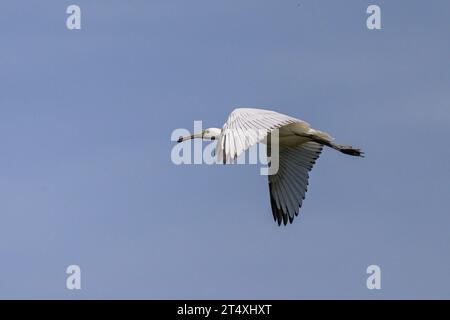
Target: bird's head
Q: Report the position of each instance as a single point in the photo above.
(208, 134)
(211, 133)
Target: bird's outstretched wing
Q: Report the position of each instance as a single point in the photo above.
(246, 127)
(288, 186)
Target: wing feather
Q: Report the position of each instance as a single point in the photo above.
(246, 127)
(289, 185)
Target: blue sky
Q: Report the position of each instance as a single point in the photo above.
(85, 170)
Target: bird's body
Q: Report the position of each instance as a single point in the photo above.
(298, 144)
(294, 134)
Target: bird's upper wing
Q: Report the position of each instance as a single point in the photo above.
(288, 186)
(244, 128)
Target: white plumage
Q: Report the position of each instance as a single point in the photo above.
(299, 147)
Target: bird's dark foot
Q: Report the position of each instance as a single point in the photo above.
(351, 151)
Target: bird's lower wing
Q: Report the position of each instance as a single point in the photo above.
(288, 186)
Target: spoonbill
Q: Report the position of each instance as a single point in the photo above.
(299, 147)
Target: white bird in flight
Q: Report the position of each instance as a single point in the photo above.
(299, 147)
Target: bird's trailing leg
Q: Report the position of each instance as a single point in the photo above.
(348, 150)
(344, 149)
